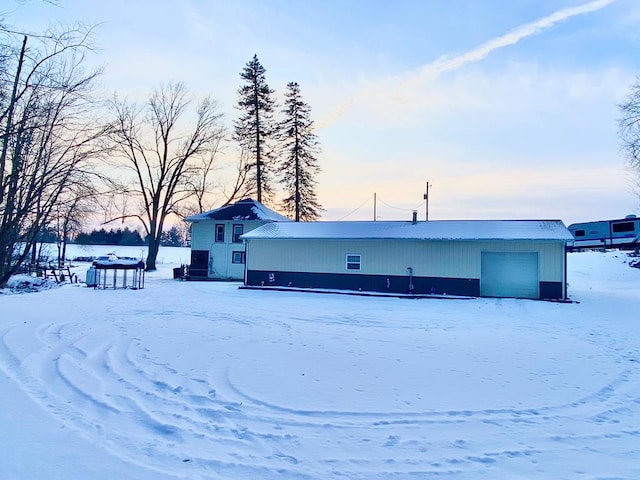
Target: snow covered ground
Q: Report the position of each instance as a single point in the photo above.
(189, 380)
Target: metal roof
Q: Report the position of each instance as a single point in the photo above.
(431, 230)
(246, 209)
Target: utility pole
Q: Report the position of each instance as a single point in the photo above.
(375, 201)
(426, 200)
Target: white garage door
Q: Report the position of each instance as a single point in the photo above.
(509, 274)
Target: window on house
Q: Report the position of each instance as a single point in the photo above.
(219, 232)
(237, 231)
(238, 257)
(353, 262)
(579, 233)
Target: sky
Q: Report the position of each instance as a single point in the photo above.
(508, 110)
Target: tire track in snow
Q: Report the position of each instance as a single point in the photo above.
(73, 376)
(109, 388)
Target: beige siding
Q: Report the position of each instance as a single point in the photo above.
(201, 235)
(221, 253)
(393, 257)
(203, 232)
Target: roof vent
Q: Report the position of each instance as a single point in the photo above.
(414, 220)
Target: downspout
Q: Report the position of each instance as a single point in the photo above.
(210, 271)
(246, 259)
(564, 279)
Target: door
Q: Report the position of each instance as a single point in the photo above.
(509, 274)
(199, 263)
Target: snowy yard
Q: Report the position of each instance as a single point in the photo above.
(190, 380)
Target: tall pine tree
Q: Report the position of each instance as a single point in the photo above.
(256, 128)
(299, 166)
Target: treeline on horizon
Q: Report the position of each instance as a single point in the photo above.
(110, 237)
(120, 236)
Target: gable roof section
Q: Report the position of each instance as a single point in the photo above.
(246, 209)
(431, 230)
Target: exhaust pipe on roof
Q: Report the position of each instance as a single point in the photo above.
(414, 220)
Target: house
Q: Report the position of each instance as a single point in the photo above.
(217, 252)
(499, 258)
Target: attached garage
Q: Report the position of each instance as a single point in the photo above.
(509, 274)
(501, 258)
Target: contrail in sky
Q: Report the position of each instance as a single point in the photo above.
(446, 64)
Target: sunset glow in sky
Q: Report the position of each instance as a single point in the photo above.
(508, 109)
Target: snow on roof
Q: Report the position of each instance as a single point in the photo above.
(246, 209)
(120, 263)
(431, 230)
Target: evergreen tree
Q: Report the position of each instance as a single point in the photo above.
(256, 128)
(299, 165)
(130, 237)
(111, 237)
(171, 238)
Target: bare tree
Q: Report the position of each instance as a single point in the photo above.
(234, 181)
(244, 183)
(49, 136)
(68, 217)
(206, 185)
(162, 150)
(629, 129)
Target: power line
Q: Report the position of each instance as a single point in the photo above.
(399, 208)
(356, 209)
(381, 201)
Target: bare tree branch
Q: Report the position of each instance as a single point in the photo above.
(163, 152)
(50, 141)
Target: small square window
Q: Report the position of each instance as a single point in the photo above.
(238, 230)
(353, 262)
(238, 257)
(579, 233)
(219, 232)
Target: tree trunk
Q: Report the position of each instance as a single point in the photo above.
(64, 250)
(9, 126)
(34, 255)
(152, 254)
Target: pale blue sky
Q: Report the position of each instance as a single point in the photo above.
(507, 108)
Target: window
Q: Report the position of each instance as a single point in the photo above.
(579, 233)
(238, 257)
(623, 227)
(353, 262)
(219, 232)
(237, 231)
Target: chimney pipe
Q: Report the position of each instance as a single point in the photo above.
(414, 220)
